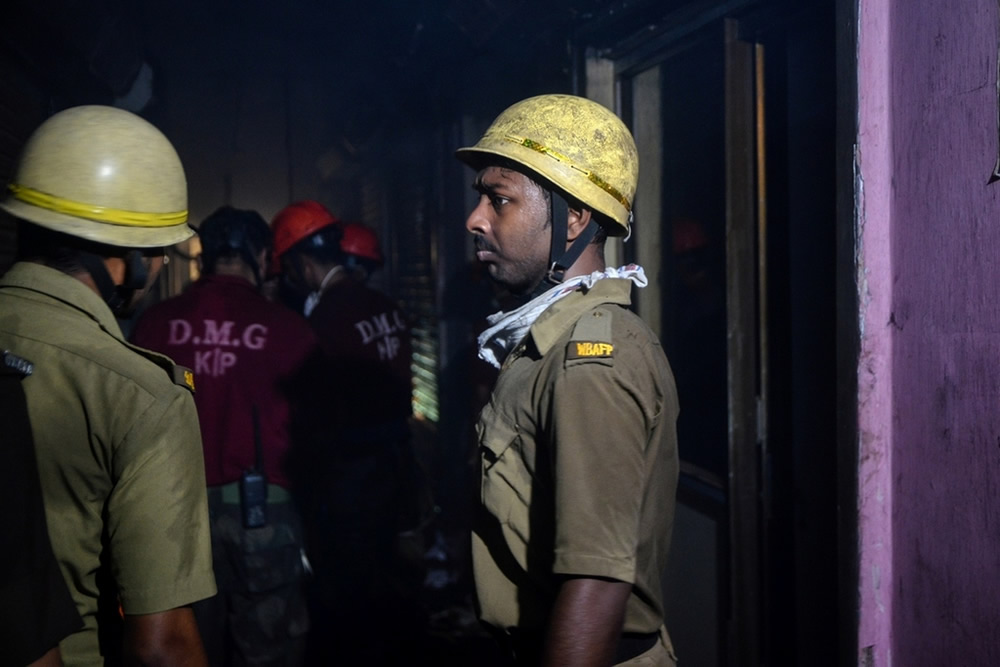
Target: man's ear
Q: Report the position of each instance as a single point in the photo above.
(577, 221)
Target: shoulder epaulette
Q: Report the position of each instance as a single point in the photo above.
(19, 365)
(184, 377)
(591, 338)
(180, 375)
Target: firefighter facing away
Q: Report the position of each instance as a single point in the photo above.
(244, 349)
(362, 251)
(99, 194)
(355, 466)
(577, 443)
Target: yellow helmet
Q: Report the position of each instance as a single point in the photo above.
(574, 143)
(102, 174)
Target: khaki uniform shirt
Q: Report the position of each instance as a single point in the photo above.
(579, 463)
(119, 457)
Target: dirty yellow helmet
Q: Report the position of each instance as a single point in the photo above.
(102, 174)
(574, 143)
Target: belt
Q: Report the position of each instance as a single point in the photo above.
(526, 645)
(230, 493)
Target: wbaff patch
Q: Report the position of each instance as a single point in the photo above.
(589, 350)
(591, 338)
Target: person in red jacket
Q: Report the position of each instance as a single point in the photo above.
(244, 350)
(362, 251)
(359, 470)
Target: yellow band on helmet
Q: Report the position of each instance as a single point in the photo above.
(591, 176)
(99, 213)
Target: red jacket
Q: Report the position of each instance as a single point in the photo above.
(242, 349)
(366, 340)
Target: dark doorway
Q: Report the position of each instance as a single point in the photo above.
(737, 139)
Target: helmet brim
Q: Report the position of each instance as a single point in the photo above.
(480, 157)
(98, 232)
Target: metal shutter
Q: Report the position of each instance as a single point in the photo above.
(412, 250)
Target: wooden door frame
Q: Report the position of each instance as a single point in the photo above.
(608, 76)
(745, 400)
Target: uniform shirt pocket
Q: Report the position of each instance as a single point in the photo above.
(507, 464)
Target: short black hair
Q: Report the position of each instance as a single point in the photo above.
(230, 233)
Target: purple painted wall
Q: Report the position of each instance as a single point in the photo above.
(929, 375)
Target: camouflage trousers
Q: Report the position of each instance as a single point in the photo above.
(259, 616)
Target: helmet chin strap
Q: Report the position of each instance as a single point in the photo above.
(116, 296)
(562, 258)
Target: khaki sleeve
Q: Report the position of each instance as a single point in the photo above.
(157, 521)
(602, 412)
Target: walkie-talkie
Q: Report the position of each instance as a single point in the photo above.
(253, 484)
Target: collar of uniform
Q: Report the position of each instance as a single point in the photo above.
(563, 314)
(49, 283)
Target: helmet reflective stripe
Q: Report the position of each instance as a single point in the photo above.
(94, 212)
(591, 176)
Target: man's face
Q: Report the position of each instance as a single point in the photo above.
(294, 270)
(511, 228)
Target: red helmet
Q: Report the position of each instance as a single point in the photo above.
(296, 222)
(361, 241)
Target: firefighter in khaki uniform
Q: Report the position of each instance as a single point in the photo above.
(98, 194)
(578, 444)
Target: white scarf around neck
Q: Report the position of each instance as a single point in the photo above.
(508, 329)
